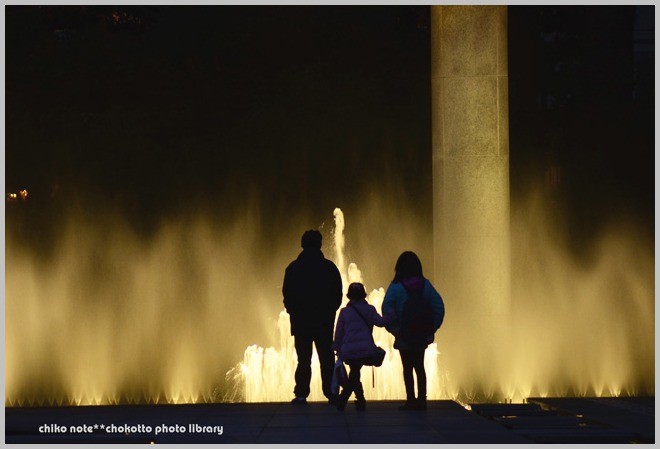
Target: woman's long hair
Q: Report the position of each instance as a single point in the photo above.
(407, 265)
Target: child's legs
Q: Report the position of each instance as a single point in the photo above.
(354, 382)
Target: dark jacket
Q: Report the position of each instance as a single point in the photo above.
(397, 295)
(312, 292)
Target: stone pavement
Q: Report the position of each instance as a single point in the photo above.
(550, 420)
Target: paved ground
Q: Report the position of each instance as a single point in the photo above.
(555, 420)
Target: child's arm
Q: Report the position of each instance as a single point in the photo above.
(382, 321)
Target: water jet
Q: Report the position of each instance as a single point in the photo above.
(111, 318)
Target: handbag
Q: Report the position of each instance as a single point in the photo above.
(339, 377)
(378, 356)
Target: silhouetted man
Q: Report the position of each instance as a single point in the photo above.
(312, 292)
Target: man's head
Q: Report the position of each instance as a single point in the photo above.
(311, 239)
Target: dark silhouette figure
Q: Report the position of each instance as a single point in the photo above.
(410, 288)
(354, 341)
(312, 292)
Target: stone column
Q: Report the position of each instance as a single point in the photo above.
(471, 191)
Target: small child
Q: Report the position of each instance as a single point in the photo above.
(354, 341)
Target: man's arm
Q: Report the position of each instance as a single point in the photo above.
(336, 292)
(287, 290)
(339, 335)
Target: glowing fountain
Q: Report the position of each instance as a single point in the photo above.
(267, 374)
(115, 319)
(573, 332)
(566, 329)
(112, 318)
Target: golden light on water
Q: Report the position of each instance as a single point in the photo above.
(194, 314)
(267, 374)
(577, 334)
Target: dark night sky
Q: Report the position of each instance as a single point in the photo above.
(154, 109)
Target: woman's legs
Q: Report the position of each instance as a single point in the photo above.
(407, 358)
(413, 360)
(418, 365)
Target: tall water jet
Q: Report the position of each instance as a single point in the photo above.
(267, 373)
(471, 185)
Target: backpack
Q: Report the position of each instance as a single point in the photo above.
(417, 327)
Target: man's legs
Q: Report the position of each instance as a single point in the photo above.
(303, 374)
(323, 342)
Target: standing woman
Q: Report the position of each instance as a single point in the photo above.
(420, 311)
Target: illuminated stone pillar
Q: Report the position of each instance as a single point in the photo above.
(471, 189)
